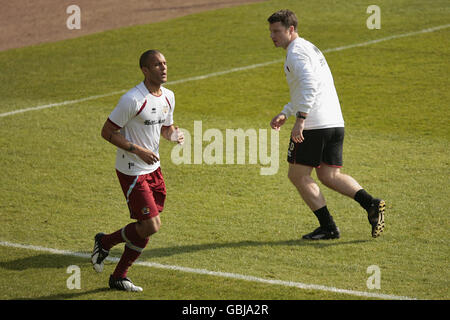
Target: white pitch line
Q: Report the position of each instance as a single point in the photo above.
(228, 275)
(215, 74)
(396, 36)
(57, 104)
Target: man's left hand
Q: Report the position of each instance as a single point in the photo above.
(297, 131)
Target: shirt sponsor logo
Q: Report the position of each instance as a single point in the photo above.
(153, 122)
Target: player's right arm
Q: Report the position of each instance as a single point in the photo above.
(278, 121)
(112, 134)
(125, 110)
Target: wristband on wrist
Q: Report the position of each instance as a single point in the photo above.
(299, 115)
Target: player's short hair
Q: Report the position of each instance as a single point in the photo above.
(286, 17)
(143, 61)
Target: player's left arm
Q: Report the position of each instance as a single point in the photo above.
(304, 96)
(172, 133)
(168, 130)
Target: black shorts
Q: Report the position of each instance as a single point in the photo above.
(319, 145)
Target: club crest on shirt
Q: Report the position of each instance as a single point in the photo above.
(165, 109)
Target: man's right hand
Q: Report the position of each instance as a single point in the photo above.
(146, 155)
(112, 134)
(278, 121)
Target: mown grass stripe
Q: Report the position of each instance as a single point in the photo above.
(215, 74)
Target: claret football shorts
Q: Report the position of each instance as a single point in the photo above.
(145, 194)
(319, 146)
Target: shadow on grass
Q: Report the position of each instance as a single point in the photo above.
(49, 260)
(55, 261)
(43, 260)
(66, 296)
(170, 251)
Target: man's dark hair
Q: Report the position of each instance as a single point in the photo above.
(143, 61)
(286, 17)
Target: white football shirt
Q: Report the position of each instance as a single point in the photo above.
(311, 86)
(140, 116)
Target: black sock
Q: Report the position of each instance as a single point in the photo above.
(325, 219)
(364, 199)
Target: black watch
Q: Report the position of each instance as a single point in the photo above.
(299, 115)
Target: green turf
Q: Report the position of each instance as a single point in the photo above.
(58, 186)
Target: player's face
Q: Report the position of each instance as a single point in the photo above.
(280, 35)
(156, 69)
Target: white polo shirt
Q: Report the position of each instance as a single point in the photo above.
(311, 86)
(140, 116)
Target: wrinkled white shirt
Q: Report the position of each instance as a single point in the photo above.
(311, 86)
(140, 115)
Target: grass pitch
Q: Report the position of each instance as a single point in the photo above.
(58, 185)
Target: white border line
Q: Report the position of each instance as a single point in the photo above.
(228, 275)
(215, 74)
